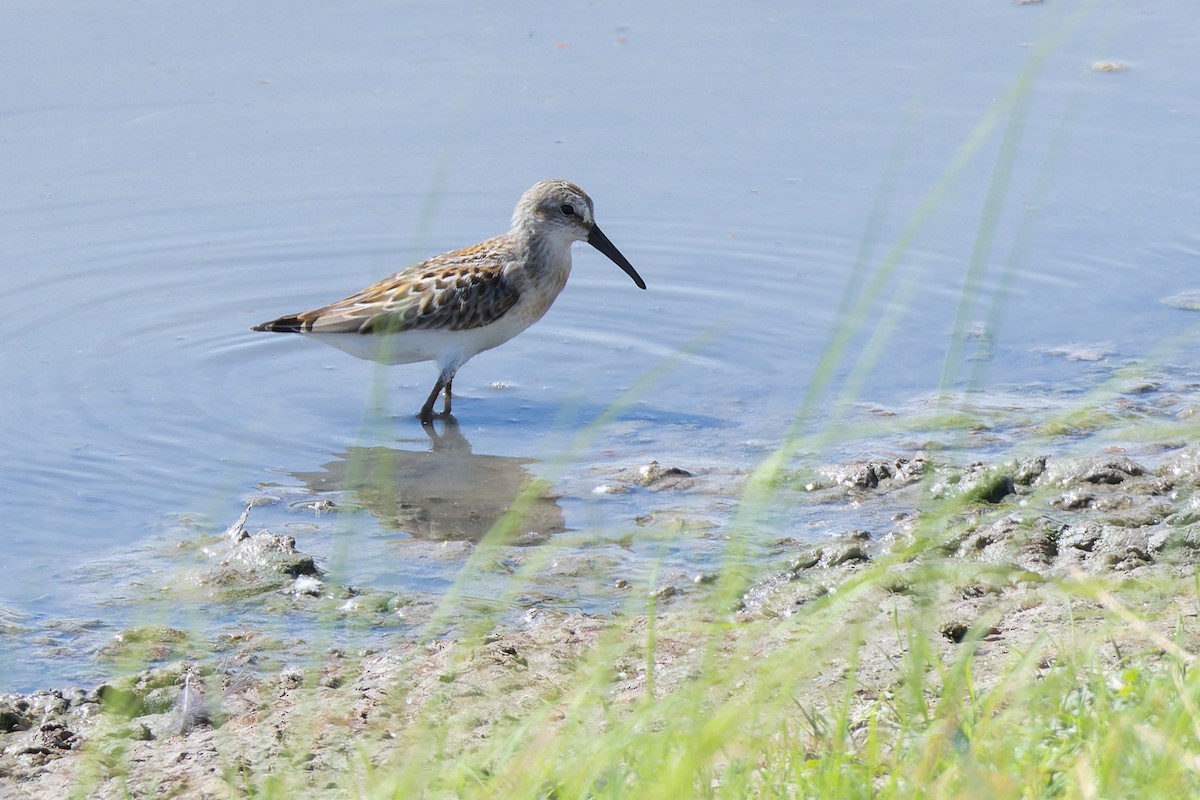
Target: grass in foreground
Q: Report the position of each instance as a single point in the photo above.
(860, 694)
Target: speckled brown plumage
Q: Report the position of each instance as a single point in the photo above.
(456, 291)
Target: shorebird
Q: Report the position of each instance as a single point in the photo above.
(458, 304)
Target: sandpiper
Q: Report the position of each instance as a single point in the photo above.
(466, 301)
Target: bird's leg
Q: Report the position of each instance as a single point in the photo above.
(426, 415)
(444, 382)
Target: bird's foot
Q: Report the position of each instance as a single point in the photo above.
(428, 419)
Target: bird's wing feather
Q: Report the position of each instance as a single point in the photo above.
(459, 290)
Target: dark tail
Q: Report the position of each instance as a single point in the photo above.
(289, 324)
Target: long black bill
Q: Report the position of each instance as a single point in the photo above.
(598, 240)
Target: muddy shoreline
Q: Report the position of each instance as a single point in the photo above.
(1005, 534)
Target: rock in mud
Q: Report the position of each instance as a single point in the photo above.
(1102, 470)
(975, 484)
(657, 477)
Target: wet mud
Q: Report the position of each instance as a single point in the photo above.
(207, 717)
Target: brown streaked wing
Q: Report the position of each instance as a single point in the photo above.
(456, 300)
(460, 290)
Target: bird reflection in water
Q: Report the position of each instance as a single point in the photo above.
(444, 492)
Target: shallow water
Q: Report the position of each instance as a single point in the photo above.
(177, 173)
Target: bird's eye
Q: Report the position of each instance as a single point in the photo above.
(568, 210)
